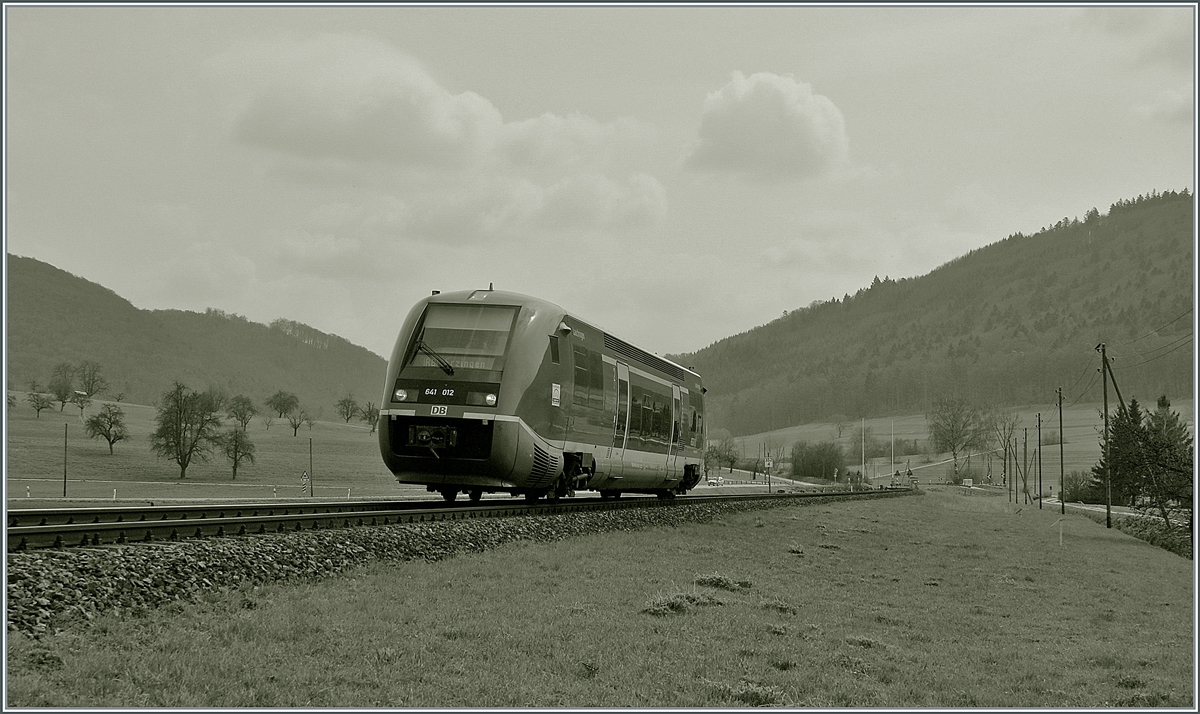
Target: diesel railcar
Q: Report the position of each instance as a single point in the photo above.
(495, 392)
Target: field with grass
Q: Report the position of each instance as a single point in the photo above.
(346, 461)
(345, 457)
(948, 598)
(1082, 426)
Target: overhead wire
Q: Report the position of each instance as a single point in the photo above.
(1172, 322)
(1179, 344)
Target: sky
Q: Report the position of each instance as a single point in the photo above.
(673, 175)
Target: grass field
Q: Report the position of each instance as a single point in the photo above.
(938, 600)
(344, 457)
(346, 462)
(1082, 426)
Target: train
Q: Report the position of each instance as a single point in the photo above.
(490, 391)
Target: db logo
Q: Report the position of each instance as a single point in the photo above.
(437, 411)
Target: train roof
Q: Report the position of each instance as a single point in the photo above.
(503, 297)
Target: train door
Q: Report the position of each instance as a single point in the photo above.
(672, 445)
(621, 424)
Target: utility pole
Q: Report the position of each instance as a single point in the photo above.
(1062, 469)
(1025, 465)
(1008, 475)
(1107, 462)
(1039, 453)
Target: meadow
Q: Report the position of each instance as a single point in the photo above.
(1081, 429)
(345, 461)
(947, 598)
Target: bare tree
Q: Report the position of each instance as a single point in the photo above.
(109, 423)
(283, 403)
(90, 379)
(957, 427)
(39, 402)
(81, 399)
(186, 426)
(241, 409)
(235, 444)
(347, 407)
(295, 418)
(62, 383)
(369, 414)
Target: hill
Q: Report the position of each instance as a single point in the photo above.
(54, 317)
(1005, 325)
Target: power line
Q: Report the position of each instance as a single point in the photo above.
(1172, 322)
(1172, 343)
(1085, 390)
(1181, 344)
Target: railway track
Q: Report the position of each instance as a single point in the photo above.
(66, 527)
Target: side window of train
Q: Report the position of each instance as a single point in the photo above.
(554, 349)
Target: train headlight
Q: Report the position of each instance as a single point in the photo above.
(400, 395)
(490, 400)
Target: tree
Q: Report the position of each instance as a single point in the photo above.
(1121, 457)
(369, 414)
(957, 427)
(109, 423)
(310, 419)
(62, 383)
(241, 409)
(81, 400)
(12, 402)
(1166, 475)
(185, 426)
(39, 402)
(347, 407)
(1002, 426)
(90, 380)
(235, 444)
(295, 419)
(283, 403)
(839, 423)
(820, 461)
(268, 419)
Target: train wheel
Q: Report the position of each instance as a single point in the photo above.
(450, 495)
(666, 494)
(476, 495)
(532, 496)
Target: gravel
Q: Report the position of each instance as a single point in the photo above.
(48, 589)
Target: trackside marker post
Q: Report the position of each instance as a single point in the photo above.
(1060, 529)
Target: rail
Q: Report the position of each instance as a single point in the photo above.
(63, 527)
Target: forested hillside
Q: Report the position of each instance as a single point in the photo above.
(56, 317)
(1003, 325)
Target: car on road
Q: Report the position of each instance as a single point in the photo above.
(716, 481)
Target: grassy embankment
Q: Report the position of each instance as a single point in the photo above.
(937, 600)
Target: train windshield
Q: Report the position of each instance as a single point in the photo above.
(462, 337)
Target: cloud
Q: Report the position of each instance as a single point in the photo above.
(344, 97)
(768, 126)
(551, 140)
(351, 97)
(1173, 105)
(1157, 37)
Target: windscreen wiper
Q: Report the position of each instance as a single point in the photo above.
(446, 366)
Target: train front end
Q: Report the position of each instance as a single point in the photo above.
(458, 370)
